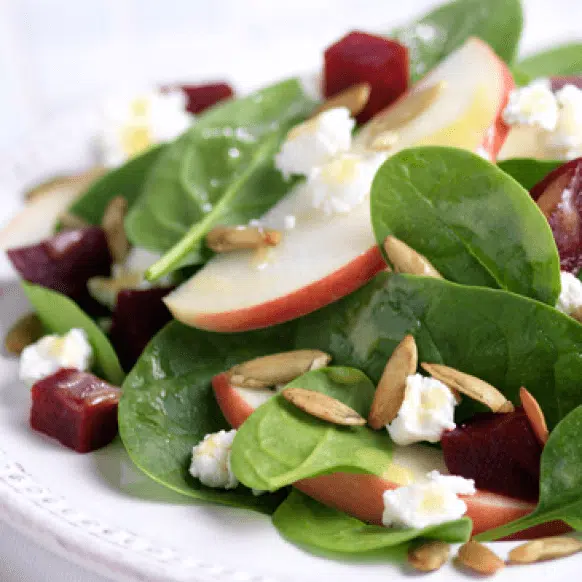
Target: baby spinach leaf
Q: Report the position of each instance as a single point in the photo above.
(561, 60)
(528, 171)
(307, 522)
(560, 481)
(59, 314)
(168, 405)
(279, 444)
(474, 223)
(126, 181)
(439, 32)
(219, 171)
(506, 339)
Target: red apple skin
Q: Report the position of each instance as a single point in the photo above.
(300, 302)
(497, 133)
(360, 495)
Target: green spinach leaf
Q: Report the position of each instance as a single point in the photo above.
(126, 181)
(438, 33)
(506, 339)
(168, 405)
(307, 522)
(474, 223)
(528, 171)
(561, 60)
(280, 444)
(219, 171)
(560, 484)
(59, 314)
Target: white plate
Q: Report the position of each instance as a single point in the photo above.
(99, 511)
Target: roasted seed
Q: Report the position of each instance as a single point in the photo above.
(479, 558)
(392, 385)
(224, 239)
(399, 114)
(24, 332)
(471, 386)
(544, 549)
(113, 225)
(385, 141)
(353, 98)
(277, 368)
(406, 260)
(323, 407)
(79, 181)
(534, 415)
(429, 557)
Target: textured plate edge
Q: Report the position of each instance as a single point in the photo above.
(120, 554)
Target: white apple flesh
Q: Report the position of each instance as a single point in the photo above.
(325, 258)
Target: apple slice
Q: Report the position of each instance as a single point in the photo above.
(360, 495)
(36, 221)
(324, 258)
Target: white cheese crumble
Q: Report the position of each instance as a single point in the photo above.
(53, 352)
(211, 460)
(427, 503)
(570, 299)
(315, 142)
(534, 104)
(344, 182)
(131, 124)
(427, 411)
(567, 135)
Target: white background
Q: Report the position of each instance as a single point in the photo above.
(58, 54)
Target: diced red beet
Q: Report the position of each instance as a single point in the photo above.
(201, 97)
(559, 82)
(139, 314)
(65, 262)
(76, 408)
(499, 451)
(365, 58)
(559, 196)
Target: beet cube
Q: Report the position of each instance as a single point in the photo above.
(560, 82)
(65, 262)
(76, 408)
(201, 97)
(499, 451)
(365, 58)
(559, 196)
(139, 314)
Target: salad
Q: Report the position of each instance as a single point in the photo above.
(351, 301)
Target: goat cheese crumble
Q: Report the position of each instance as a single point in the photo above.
(211, 460)
(427, 411)
(534, 104)
(132, 124)
(344, 182)
(315, 142)
(53, 352)
(570, 298)
(427, 503)
(567, 135)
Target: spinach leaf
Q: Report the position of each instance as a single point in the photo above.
(168, 405)
(439, 32)
(506, 339)
(561, 60)
(126, 181)
(560, 484)
(280, 444)
(59, 314)
(473, 222)
(307, 522)
(528, 171)
(219, 171)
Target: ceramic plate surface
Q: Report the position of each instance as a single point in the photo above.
(99, 511)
